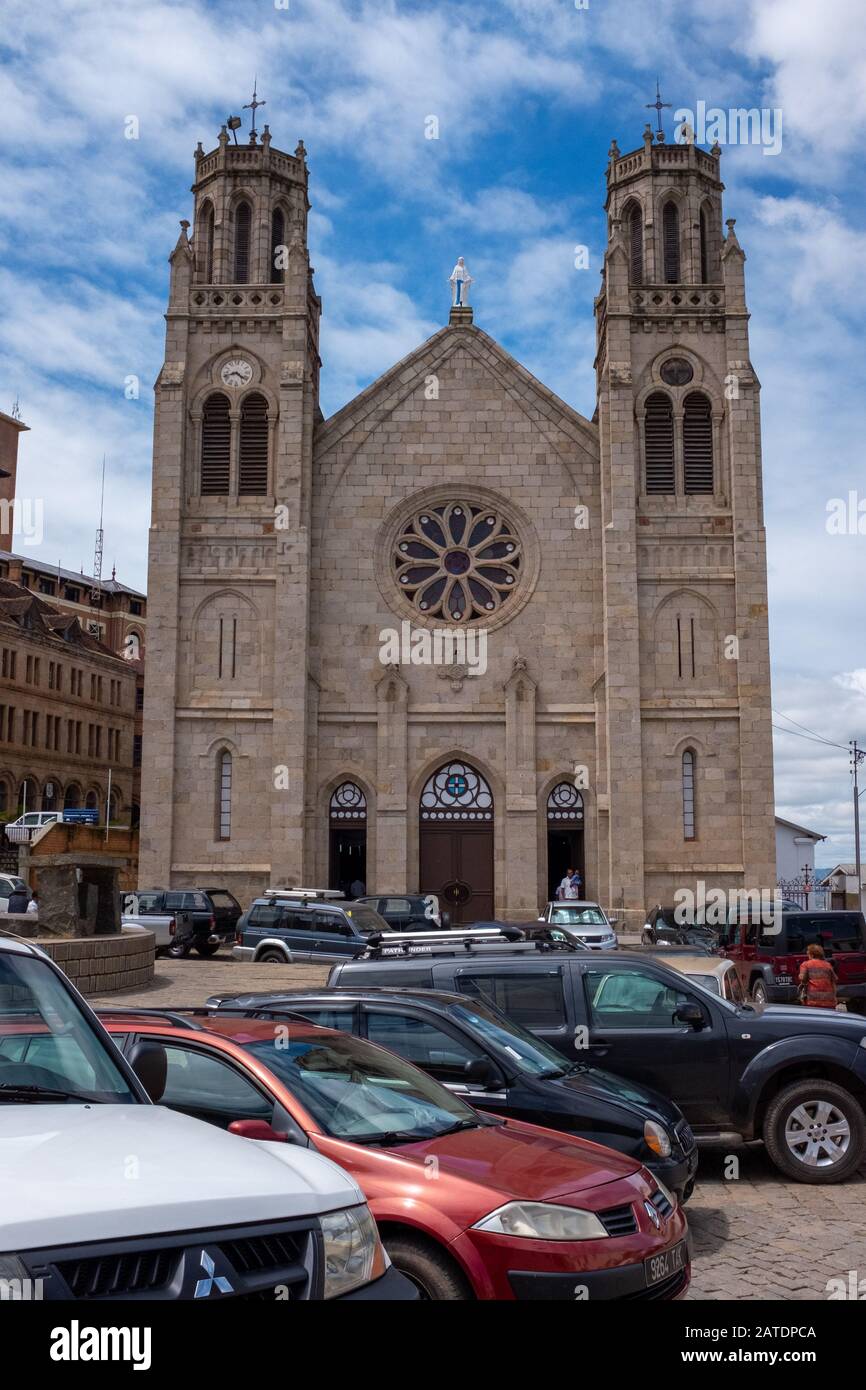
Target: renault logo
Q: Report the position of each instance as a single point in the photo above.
(653, 1215)
(204, 1286)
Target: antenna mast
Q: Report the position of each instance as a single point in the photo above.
(96, 589)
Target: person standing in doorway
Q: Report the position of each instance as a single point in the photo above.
(565, 889)
(358, 888)
(817, 980)
(576, 882)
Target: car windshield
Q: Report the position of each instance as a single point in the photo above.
(367, 919)
(48, 1049)
(533, 1055)
(578, 916)
(359, 1092)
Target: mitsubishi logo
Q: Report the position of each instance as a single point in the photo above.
(204, 1286)
(653, 1215)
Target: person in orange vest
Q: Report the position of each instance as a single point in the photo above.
(817, 980)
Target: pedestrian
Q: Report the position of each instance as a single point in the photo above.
(817, 980)
(358, 889)
(33, 905)
(576, 881)
(564, 889)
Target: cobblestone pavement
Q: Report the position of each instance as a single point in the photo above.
(754, 1237)
(761, 1236)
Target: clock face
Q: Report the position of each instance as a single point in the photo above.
(237, 372)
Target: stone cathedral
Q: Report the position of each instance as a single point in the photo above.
(612, 572)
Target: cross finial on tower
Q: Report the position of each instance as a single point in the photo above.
(254, 106)
(658, 106)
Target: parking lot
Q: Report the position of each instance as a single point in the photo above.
(755, 1236)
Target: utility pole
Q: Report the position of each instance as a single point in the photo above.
(857, 756)
(806, 885)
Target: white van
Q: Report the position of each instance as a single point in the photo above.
(22, 830)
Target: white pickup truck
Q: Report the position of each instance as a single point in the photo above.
(108, 1196)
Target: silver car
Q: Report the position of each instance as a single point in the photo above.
(586, 921)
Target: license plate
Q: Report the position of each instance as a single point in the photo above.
(658, 1268)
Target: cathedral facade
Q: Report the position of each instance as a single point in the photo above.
(457, 638)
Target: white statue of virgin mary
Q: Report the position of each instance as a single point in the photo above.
(460, 282)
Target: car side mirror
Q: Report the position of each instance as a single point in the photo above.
(481, 1072)
(258, 1129)
(692, 1014)
(149, 1061)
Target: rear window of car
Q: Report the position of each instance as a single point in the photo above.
(841, 933)
(222, 899)
(196, 902)
(535, 1000)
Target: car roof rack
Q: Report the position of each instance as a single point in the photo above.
(489, 940)
(179, 1015)
(326, 894)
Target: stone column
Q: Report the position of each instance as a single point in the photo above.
(521, 801)
(392, 753)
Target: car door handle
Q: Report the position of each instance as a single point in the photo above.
(599, 1049)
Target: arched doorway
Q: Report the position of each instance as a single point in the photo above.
(456, 842)
(564, 836)
(72, 797)
(347, 823)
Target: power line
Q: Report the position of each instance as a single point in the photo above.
(815, 734)
(823, 741)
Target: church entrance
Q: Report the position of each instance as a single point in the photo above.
(347, 816)
(456, 842)
(564, 836)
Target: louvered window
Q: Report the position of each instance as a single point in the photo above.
(253, 469)
(705, 249)
(206, 262)
(671, 234)
(216, 437)
(659, 443)
(243, 221)
(697, 443)
(278, 246)
(635, 245)
(224, 796)
(688, 795)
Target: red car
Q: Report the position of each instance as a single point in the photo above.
(467, 1205)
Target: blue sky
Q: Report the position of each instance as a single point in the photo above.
(528, 95)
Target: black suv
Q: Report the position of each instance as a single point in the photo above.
(496, 1065)
(793, 1077)
(664, 927)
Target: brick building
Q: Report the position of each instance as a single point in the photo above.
(67, 712)
(613, 568)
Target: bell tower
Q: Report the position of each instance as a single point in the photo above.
(236, 403)
(687, 752)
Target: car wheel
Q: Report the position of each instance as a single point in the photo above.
(208, 948)
(432, 1273)
(180, 950)
(271, 958)
(815, 1132)
(758, 992)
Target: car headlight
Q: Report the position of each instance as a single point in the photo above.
(353, 1250)
(542, 1221)
(657, 1138)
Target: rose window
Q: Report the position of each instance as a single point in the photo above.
(458, 562)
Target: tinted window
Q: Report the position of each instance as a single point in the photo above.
(221, 899)
(419, 1040)
(329, 922)
(710, 982)
(343, 1020)
(174, 901)
(829, 929)
(295, 921)
(395, 906)
(631, 999)
(201, 1083)
(534, 1000)
(147, 902)
(264, 915)
(196, 901)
